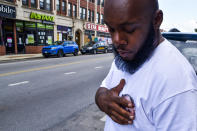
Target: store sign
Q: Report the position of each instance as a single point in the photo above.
(7, 11)
(41, 17)
(100, 28)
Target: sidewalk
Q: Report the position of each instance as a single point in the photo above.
(88, 119)
(7, 58)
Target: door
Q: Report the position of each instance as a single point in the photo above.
(21, 43)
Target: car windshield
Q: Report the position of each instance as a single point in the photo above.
(57, 43)
(189, 50)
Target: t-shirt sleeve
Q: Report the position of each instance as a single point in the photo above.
(178, 113)
(107, 81)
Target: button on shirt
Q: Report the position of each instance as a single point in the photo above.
(164, 91)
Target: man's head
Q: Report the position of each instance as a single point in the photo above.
(134, 27)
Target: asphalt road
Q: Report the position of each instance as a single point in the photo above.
(41, 94)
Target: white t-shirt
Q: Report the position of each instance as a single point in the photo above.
(164, 90)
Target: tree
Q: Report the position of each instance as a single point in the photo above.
(195, 30)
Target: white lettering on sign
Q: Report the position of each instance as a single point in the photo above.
(101, 28)
(6, 9)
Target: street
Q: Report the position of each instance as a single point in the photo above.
(45, 94)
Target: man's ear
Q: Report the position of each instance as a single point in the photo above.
(158, 19)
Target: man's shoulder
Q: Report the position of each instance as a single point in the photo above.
(171, 73)
(168, 60)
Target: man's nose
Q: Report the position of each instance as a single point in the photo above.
(119, 39)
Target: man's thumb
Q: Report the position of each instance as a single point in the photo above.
(120, 86)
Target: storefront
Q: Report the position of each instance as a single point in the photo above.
(101, 31)
(64, 33)
(33, 34)
(7, 29)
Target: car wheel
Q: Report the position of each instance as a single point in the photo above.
(94, 52)
(105, 51)
(82, 53)
(46, 56)
(60, 53)
(75, 53)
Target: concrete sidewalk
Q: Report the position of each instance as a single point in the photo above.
(7, 58)
(88, 119)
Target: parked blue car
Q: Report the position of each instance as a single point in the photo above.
(60, 49)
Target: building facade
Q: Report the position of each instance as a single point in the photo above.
(28, 25)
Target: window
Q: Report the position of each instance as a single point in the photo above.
(102, 3)
(69, 9)
(92, 16)
(48, 5)
(33, 3)
(81, 13)
(74, 10)
(10, 0)
(89, 15)
(98, 2)
(91, 1)
(25, 2)
(102, 20)
(98, 18)
(84, 13)
(64, 6)
(58, 5)
(45, 5)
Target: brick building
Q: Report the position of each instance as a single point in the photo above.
(28, 25)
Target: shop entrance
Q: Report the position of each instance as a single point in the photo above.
(78, 38)
(7, 26)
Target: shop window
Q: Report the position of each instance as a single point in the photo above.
(92, 16)
(89, 15)
(74, 10)
(70, 9)
(58, 5)
(45, 5)
(98, 18)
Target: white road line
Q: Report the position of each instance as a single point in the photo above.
(19, 83)
(98, 67)
(103, 118)
(70, 73)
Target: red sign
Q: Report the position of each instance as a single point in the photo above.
(100, 28)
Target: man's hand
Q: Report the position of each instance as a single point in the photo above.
(109, 102)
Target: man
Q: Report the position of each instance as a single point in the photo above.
(159, 84)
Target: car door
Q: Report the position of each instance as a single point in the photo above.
(66, 47)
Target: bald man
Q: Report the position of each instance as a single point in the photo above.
(150, 86)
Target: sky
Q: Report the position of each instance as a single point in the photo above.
(180, 14)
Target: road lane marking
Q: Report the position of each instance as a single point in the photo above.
(98, 67)
(19, 83)
(50, 67)
(103, 118)
(70, 73)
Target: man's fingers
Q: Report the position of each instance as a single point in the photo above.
(122, 112)
(123, 102)
(119, 119)
(120, 86)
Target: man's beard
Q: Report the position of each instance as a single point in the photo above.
(131, 66)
